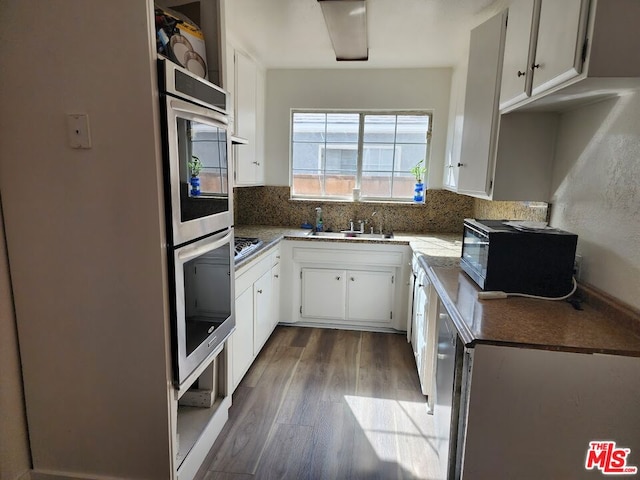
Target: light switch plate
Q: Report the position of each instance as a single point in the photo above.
(78, 130)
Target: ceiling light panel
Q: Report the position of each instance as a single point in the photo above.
(347, 24)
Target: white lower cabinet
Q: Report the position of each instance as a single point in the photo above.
(531, 405)
(353, 285)
(263, 314)
(423, 331)
(370, 296)
(276, 291)
(357, 295)
(242, 338)
(257, 311)
(324, 293)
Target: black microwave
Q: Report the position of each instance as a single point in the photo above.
(498, 256)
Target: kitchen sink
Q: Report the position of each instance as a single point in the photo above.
(349, 234)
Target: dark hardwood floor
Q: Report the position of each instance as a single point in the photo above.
(327, 404)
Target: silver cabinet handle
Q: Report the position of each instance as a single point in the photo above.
(277, 276)
(259, 291)
(521, 74)
(338, 278)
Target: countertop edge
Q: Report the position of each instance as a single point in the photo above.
(467, 336)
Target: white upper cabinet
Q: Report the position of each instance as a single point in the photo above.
(502, 157)
(544, 46)
(562, 53)
(454, 131)
(249, 113)
(519, 51)
(560, 44)
(479, 133)
(549, 56)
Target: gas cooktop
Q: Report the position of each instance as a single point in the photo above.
(244, 246)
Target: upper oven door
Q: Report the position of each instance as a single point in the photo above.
(200, 202)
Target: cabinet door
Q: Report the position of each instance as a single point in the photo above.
(261, 94)
(456, 123)
(479, 133)
(418, 323)
(370, 296)
(230, 85)
(519, 51)
(323, 293)
(275, 295)
(561, 37)
(242, 338)
(245, 119)
(262, 311)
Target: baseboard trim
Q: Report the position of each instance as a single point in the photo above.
(54, 475)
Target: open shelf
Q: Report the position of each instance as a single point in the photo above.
(192, 422)
(202, 411)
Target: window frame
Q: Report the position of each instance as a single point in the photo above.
(362, 113)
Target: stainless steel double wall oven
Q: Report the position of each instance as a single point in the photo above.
(199, 215)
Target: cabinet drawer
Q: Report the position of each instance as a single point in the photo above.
(252, 272)
(275, 257)
(347, 257)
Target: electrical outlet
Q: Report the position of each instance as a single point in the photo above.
(577, 267)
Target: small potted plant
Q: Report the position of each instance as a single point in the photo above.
(195, 166)
(418, 171)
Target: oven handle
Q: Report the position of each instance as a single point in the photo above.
(184, 107)
(203, 246)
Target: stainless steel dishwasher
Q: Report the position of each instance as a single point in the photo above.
(448, 387)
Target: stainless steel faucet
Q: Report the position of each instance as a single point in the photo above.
(379, 223)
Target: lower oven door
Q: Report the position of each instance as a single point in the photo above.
(203, 307)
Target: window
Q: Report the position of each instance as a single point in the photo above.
(333, 153)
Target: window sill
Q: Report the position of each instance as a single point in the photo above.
(361, 201)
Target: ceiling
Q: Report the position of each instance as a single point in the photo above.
(402, 33)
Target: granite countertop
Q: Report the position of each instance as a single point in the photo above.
(441, 249)
(515, 321)
(531, 323)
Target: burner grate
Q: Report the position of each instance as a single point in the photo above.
(244, 246)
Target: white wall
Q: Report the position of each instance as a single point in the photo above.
(14, 443)
(85, 236)
(353, 89)
(596, 192)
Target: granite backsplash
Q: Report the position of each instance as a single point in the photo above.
(532, 211)
(442, 212)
